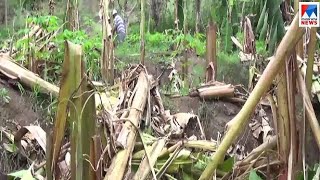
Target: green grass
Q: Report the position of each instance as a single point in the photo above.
(158, 43)
(4, 33)
(231, 70)
(4, 95)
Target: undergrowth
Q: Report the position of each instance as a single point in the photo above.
(161, 42)
(4, 95)
(50, 57)
(159, 49)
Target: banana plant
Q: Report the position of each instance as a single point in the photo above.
(270, 26)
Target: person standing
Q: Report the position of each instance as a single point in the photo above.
(119, 26)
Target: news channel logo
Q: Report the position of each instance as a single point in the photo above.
(309, 14)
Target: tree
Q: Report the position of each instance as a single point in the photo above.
(198, 4)
(142, 32)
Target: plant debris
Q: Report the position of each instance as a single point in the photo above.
(165, 147)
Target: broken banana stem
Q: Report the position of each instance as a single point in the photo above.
(14, 71)
(119, 163)
(238, 123)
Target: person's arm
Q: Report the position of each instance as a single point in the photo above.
(113, 30)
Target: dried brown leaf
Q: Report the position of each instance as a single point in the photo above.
(249, 39)
(180, 120)
(210, 73)
(36, 131)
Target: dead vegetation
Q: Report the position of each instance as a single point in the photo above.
(119, 140)
(125, 131)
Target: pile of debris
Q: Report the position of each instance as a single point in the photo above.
(138, 137)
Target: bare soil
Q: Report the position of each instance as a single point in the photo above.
(214, 115)
(19, 111)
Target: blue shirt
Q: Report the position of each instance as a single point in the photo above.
(119, 24)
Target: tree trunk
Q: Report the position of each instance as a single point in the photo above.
(72, 15)
(6, 13)
(125, 5)
(110, 43)
(51, 7)
(185, 31)
(106, 55)
(212, 46)
(309, 140)
(311, 50)
(176, 20)
(126, 18)
(111, 64)
(149, 17)
(198, 4)
(142, 28)
(157, 6)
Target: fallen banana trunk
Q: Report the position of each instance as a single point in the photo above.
(201, 144)
(119, 163)
(14, 71)
(214, 91)
(145, 167)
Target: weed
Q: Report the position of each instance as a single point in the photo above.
(4, 95)
(230, 69)
(239, 36)
(198, 72)
(168, 104)
(55, 56)
(21, 88)
(159, 43)
(261, 48)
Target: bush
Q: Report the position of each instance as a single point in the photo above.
(231, 70)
